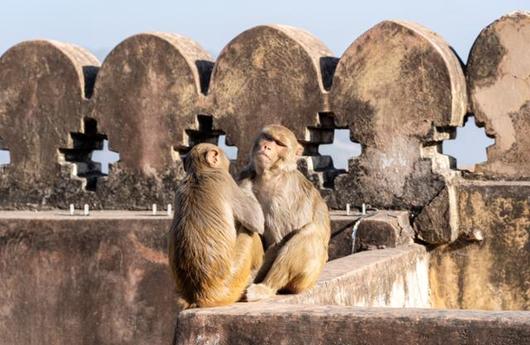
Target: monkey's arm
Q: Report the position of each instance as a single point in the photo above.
(247, 209)
(320, 224)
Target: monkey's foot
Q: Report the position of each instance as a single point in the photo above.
(182, 304)
(256, 292)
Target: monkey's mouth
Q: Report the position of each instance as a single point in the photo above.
(262, 154)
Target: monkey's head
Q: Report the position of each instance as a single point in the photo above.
(206, 157)
(275, 149)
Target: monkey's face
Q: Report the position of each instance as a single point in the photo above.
(275, 148)
(206, 156)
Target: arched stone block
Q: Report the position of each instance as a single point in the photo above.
(498, 76)
(399, 88)
(148, 93)
(43, 90)
(268, 74)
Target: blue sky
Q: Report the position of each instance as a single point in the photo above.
(101, 25)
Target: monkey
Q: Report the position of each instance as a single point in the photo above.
(297, 223)
(214, 246)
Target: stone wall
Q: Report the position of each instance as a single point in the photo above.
(399, 88)
(486, 268)
(101, 279)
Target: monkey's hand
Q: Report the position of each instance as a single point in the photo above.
(247, 210)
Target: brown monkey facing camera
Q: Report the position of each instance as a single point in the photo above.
(214, 244)
(297, 225)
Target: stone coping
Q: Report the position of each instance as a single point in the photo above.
(124, 214)
(278, 323)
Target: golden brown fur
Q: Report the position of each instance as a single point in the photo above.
(214, 243)
(297, 225)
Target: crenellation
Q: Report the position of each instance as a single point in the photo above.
(391, 87)
(399, 89)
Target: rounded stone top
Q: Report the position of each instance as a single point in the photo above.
(498, 71)
(42, 87)
(399, 77)
(268, 74)
(148, 92)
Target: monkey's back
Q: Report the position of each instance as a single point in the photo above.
(202, 237)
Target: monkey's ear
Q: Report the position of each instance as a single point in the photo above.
(299, 150)
(213, 158)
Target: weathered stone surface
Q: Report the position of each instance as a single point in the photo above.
(333, 325)
(43, 91)
(497, 74)
(383, 229)
(268, 74)
(148, 94)
(84, 280)
(394, 277)
(487, 267)
(399, 88)
(341, 242)
(437, 223)
(101, 279)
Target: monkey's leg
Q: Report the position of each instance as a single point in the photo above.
(257, 256)
(296, 268)
(270, 255)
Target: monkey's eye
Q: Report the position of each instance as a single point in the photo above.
(267, 137)
(271, 138)
(279, 143)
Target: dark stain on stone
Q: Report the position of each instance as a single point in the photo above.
(426, 95)
(484, 58)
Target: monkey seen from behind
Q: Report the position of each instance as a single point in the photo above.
(214, 243)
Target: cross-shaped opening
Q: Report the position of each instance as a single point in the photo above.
(469, 145)
(341, 150)
(206, 133)
(230, 150)
(328, 149)
(84, 143)
(105, 157)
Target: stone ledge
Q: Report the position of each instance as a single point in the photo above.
(396, 277)
(293, 324)
(384, 229)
